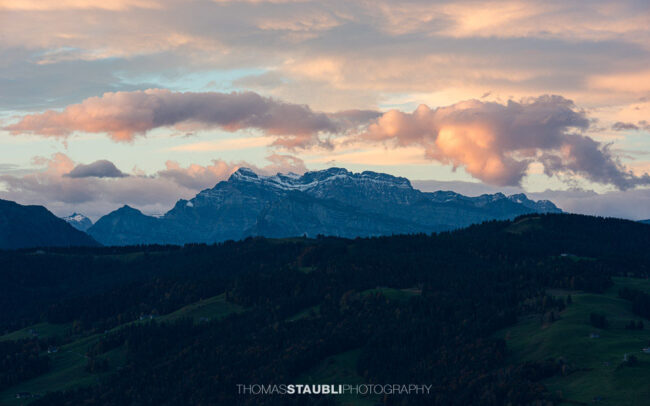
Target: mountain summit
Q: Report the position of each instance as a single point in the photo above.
(334, 201)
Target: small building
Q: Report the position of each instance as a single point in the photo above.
(24, 395)
(594, 335)
(52, 349)
(646, 350)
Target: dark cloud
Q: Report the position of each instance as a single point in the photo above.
(593, 160)
(354, 118)
(97, 169)
(621, 126)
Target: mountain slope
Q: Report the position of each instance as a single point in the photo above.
(34, 226)
(128, 226)
(329, 202)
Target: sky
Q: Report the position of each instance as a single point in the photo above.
(144, 102)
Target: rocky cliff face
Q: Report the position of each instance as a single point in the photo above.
(330, 202)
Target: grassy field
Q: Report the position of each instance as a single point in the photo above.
(599, 373)
(340, 368)
(394, 294)
(67, 371)
(523, 225)
(205, 310)
(389, 293)
(308, 312)
(597, 367)
(69, 362)
(42, 330)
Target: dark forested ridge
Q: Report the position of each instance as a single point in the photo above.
(412, 308)
(34, 226)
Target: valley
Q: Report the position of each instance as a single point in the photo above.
(480, 313)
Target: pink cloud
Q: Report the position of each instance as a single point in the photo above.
(494, 142)
(125, 115)
(497, 142)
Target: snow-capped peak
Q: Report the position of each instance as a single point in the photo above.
(78, 221)
(313, 179)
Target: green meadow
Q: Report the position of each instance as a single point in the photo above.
(597, 371)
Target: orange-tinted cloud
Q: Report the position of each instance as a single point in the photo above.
(497, 142)
(125, 115)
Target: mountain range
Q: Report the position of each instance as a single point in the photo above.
(35, 226)
(328, 202)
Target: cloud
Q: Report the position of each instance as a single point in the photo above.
(229, 144)
(379, 49)
(97, 169)
(624, 126)
(283, 164)
(621, 126)
(464, 187)
(195, 176)
(126, 115)
(629, 204)
(354, 118)
(198, 177)
(496, 142)
(114, 5)
(52, 186)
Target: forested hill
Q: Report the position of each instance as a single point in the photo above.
(401, 309)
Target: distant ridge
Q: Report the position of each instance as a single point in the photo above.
(329, 202)
(34, 226)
